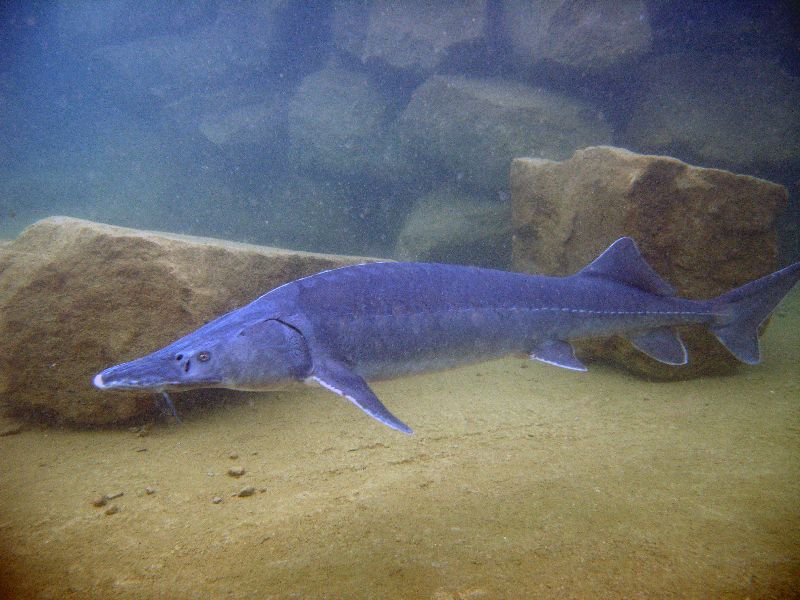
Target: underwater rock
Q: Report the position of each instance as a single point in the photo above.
(248, 125)
(336, 124)
(245, 492)
(588, 36)
(474, 127)
(247, 122)
(10, 426)
(705, 231)
(99, 501)
(238, 43)
(721, 110)
(449, 225)
(415, 37)
(77, 296)
(236, 471)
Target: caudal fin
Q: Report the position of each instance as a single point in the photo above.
(740, 312)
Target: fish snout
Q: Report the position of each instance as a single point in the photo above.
(152, 372)
(132, 376)
(98, 381)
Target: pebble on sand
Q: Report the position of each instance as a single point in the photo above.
(246, 491)
(216, 500)
(103, 500)
(236, 471)
(112, 510)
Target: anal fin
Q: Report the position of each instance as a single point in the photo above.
(663, 344)
(558, 353)
(341, 380)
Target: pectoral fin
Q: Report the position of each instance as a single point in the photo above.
(341, 380)
(558, 353)
(663, 344)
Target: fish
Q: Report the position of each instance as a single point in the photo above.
(340, 328)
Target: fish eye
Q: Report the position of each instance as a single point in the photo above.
(179, 357)
(204, 356)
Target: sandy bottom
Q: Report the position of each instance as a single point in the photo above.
(521, 481)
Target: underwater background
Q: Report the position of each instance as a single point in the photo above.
(379, 128)
(328, 126)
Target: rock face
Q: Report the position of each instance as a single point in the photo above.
(722, 111)
(414, 36)
(474, 127)
(703, 230)
(77, 296)
(448, 225)
(336, 123)
(587, 36)
(239, 40)
(252, 125)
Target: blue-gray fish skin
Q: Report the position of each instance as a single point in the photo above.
(342, 327)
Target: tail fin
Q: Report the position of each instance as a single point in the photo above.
(740, 312)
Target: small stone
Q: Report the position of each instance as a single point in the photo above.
(246, 491)
(113, 495)
(216, 500)
(11, 428)
(99, 501)
(149, 491)
(233, 455)
(112, 510)
(236, 471)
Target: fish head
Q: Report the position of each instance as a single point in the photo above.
(261, 355)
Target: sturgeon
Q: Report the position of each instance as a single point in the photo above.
(342, 327)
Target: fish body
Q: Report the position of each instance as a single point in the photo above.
(342, 327)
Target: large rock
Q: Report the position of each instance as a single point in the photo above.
(415, 36)
(449, 225)
(238, 44)
(336, 123)
(577, 34)
(246, 122)
(474, 127)
(77, 296)
(720, 110)
(703, 230)
(250, 125)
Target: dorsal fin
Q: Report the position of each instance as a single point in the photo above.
(622, 262)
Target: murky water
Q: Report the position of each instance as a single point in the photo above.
(387, 129)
